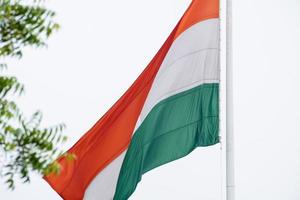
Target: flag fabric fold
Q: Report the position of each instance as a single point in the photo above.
(172, 108)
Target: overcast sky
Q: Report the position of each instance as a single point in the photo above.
(104, 45)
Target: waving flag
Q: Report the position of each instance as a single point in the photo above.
(172, 108)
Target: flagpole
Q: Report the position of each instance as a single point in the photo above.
(230, 176)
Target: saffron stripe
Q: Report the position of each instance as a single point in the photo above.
(109, 137)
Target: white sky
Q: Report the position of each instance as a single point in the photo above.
(103, 46)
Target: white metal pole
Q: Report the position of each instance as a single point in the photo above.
(230, 176)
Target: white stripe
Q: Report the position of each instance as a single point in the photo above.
(104, 184)
(193, 59)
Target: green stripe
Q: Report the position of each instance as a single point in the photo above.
(173, 128)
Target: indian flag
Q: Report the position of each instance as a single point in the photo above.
(172, 108)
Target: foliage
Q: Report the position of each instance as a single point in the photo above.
(24, 25)
(25, 146)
